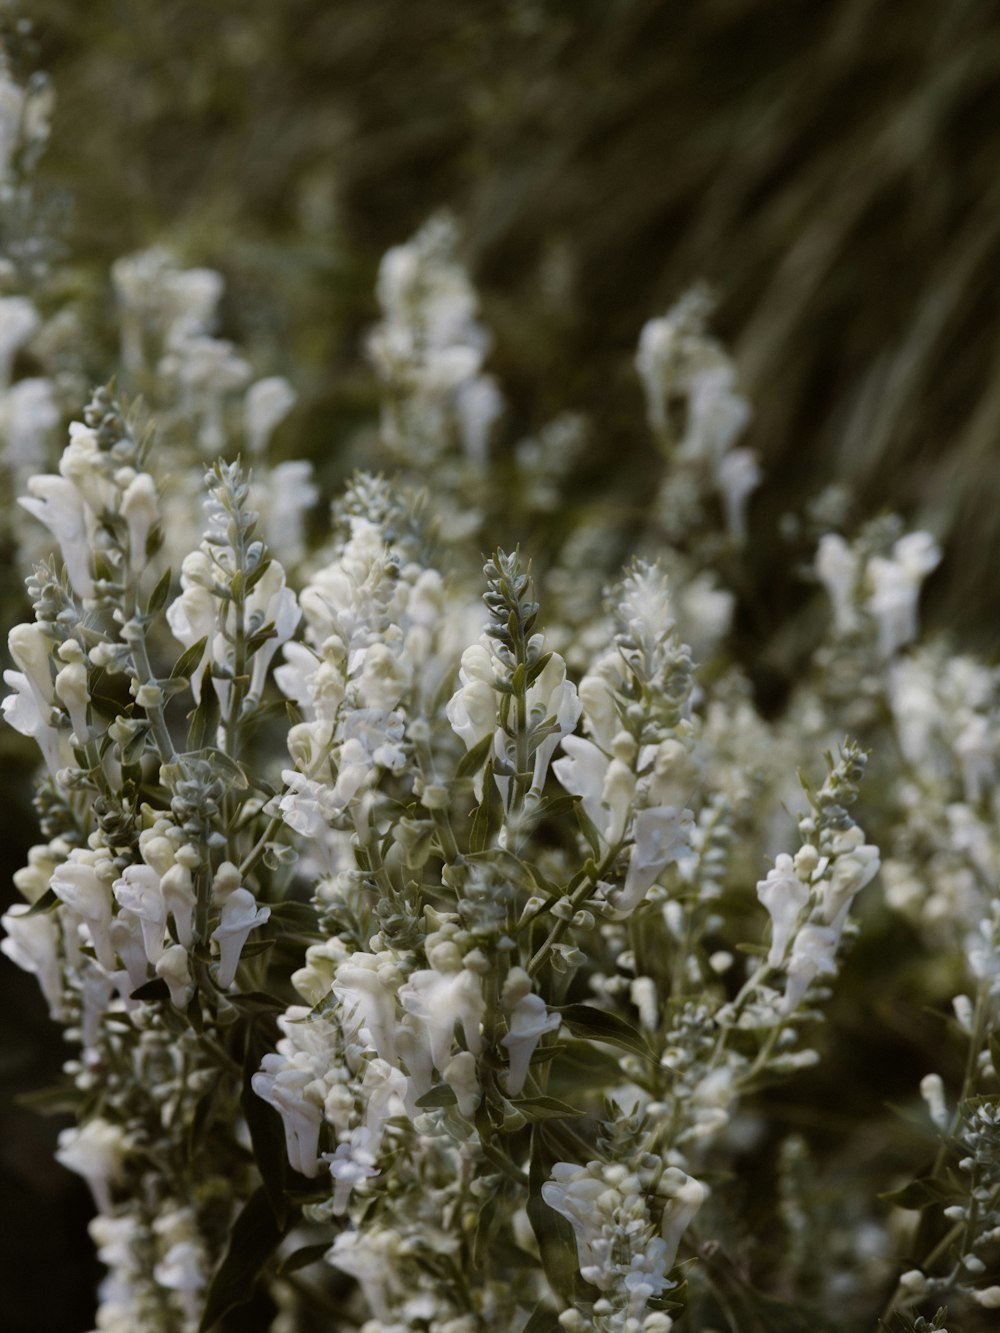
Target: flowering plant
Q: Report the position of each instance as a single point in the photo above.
(429, 940)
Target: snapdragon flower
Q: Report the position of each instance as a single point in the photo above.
(240, 914)
(528, 1021)
(97, 1151)
(896, 583)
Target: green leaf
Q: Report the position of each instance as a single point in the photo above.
(543, 1320)
(201, 1116)
(267, 1133)
(189, 659)
(995, 1054)
(255, 1002)
(255, 948)
(136, 744)
(925, 1192)
(545, 1108)
(536, 668)
(583, 1020)
(589, 830)
(157, 989)
(63, 1099)
(260, 637)
(48, 902)
(295, 918)
(442, 1095)
(473, 761)
(254, 1238)
(205, 718)
(224, 766)
(489, 813)
(255, 575)
(555, 807)
(158, 597)
(309, 1254)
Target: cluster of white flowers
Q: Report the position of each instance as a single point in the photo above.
(696, 411)
(506, 879)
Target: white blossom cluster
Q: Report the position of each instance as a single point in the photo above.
(432, 954)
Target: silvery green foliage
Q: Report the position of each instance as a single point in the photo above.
(436, 945)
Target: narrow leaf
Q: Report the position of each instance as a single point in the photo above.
(254, 1238)
(473, 761)
(442, 1095)
(157, 989)
(925, 1192)
(48, 902)
(267, 1134)
(543, 1320)
(158, 597)
(189, 659)
(545, 1108)
(205, 718)
(583, 1020)
(309, 1254)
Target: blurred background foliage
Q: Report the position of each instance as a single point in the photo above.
(830, 171)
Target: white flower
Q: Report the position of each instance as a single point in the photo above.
(57, 503)
(976, 747)
(582, 772)
(266, 405)
(138, 891)
(384, 679)
(784, 895)
(270, 602)
(575, 1192)
(76, 883)
(82, 463)
(172, 966)
(182, 1268)
(552, 696)
(472, 709)
(855, 865)
(383, 1089)
(365, 987)
(284, 1087)
(96, 1151)
(18, 317)
(351, 1165)
(932, 1091)
(717, 415)
(28, 412)
(685, 1196)
(32, 943)
(838, 568)
(462, 1076)
(437, 1001)
(240, 914)
(662, 835)
(813, 954)
(72, 692)
(528, 1022)
(600, 712)
(737, 476)
(126, 939)
(140, 509)
(22, 712)
(896, 584)
(177, 889)
(282, 499)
